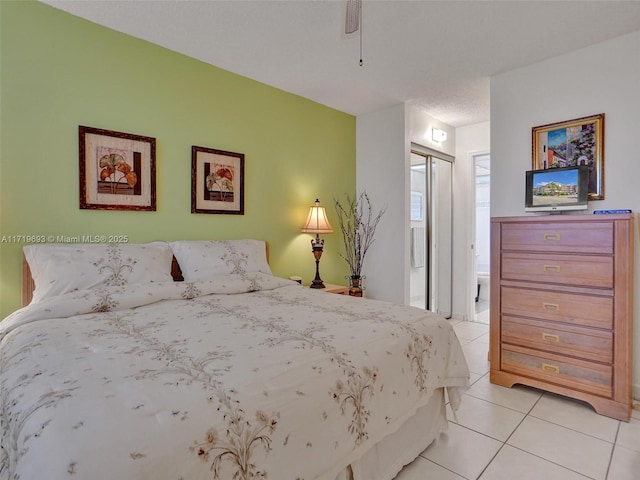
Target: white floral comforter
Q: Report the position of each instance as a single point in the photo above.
(240, 377)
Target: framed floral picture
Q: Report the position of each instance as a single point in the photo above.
(570, 143)
(217, 181)
(117, 170)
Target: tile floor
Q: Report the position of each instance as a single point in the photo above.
(522, 433)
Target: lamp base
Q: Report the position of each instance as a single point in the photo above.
(317, 283)
(317, 247)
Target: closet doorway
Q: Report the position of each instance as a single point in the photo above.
(431, 230)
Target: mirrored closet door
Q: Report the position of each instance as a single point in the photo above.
(431, 230)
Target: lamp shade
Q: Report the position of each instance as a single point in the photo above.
(317, 221)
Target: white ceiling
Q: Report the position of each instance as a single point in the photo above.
(438, 55)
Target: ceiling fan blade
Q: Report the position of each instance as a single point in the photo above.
(352, 22)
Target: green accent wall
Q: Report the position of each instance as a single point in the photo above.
(58, 71)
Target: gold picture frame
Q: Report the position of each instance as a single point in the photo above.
(217, 181)
(117, 170)
(572, 142)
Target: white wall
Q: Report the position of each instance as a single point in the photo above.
(604, 78)
(382, 169)
(462, 143)
(470, 140)
(421, 126)
(382, 163)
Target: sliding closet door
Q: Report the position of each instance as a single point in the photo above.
(431, 232)
(419, 276)
(441, 236)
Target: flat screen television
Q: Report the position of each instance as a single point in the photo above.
(557, 189)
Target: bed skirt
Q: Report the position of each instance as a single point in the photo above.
(385, 459)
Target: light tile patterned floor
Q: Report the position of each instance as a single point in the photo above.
(522, 433)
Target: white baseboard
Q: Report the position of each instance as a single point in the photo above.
(636, 393)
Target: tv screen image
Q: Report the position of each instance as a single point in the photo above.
(557, 189)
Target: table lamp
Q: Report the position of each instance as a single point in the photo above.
(317, 223)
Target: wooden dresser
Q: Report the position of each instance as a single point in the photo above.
(562, 307)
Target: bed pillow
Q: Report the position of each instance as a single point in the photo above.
(200, 259)
(61, 268)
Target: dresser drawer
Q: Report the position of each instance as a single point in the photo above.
(573, 308)
(585, 237)
(577, 270)
(580, 342)
(568, 372)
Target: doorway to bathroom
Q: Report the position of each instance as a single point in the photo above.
(482, 166)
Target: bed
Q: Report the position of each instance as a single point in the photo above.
(116, 370)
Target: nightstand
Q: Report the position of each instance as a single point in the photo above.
(329, 288)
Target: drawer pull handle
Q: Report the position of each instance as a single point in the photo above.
(552, 268)
(548, 337)
(551, 306)
(550, 368)
(551, 236)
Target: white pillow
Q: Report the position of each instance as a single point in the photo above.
(201, 259)
(61, 268)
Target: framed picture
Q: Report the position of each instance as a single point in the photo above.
(117, 170)
(573, 142)
(217, 181)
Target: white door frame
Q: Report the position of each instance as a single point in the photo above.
(472, 280)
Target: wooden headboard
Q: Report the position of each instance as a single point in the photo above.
(28, 285)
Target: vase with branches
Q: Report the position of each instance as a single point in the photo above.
(358, 223)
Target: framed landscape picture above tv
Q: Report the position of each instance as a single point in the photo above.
(572, 143)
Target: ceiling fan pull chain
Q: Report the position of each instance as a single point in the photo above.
(361, 28)
(353, 21)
